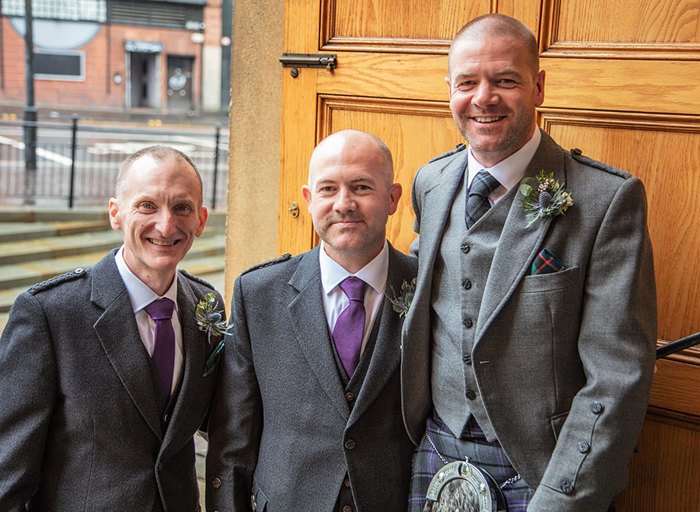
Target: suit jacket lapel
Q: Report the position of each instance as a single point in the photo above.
(434, 215)
(519, 244)
(386, 356)
(308, 319)
(117, 330)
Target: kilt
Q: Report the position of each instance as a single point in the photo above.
(473, 444)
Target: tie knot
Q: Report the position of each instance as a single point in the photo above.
(354, 288)
(160, 309)
(483, 184)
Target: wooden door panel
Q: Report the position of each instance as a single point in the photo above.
(666, 470)
(387, 24)
(649, 86)
(414, 131)
(627, 21)
(650, 151)
(622, 84)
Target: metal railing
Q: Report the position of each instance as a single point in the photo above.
(78, 164)
(678, 345)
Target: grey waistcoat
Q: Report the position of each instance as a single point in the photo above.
(461, 269)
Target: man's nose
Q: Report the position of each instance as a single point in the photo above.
(485, 95)
(165, 223)
(345, 201)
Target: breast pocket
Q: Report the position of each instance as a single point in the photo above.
(550, 282)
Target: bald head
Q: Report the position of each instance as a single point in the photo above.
(159, 154)
(350, 141)
(499, 25)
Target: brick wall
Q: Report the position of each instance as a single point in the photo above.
(104, 56)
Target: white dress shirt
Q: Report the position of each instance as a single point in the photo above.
(508, 172)
(141, 296)
(334, 299)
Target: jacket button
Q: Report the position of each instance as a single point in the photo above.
(349, 397)
(597, 407)
(465, 247)
(566, 487)
(346, 482)
(584, 447)
(216, 482)
(470, 394)
(466, 284)
(468, 323)
(347, 508)
(350, 444)
(253, 504)
(577, 151)
(467, 358)
(165, 417)
(160, 466)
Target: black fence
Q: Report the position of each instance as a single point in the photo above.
(78, 164)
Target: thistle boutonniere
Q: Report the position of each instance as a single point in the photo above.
(401, 302)
(211, 320)
(543, 197)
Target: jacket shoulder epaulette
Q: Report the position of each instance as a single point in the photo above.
(286, 256)
(57, 280)
(459, 148)
(196, 279)
(577, 154)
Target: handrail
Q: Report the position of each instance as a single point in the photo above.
(678, 345)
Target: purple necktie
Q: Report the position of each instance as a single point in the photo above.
(161, 311)
(350, 325)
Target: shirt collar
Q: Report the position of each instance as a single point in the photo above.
(139, 292)
(510, 171)
(374, 273)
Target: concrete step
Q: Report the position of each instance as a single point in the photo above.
(68, 245)
(16, 275)
(17, 231)
(38, 214)
(58, 246)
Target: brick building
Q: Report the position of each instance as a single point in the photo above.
(118, 56)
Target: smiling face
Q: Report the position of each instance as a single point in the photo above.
(494, 89)
(350, 195)
(158, 206)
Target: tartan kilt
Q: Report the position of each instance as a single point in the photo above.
(483, 454)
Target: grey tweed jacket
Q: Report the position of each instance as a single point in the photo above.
(283, 434)
(82, 419)
(563, 361)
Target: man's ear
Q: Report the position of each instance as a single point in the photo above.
(306, 192)
(203, 214)
(394, 195)
(114, 214)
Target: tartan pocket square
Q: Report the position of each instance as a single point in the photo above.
(546, 263)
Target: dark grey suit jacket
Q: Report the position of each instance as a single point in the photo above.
(82, 423)
(281, 428)
(563, 361)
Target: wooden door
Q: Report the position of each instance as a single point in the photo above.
(623, 84)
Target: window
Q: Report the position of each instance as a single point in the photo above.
(73, 10)
(59, 65)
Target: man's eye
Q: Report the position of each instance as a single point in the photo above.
(183, 209)
(147, 206)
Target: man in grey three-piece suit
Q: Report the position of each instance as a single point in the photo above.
(529, 345)
(307, 415)
(100, 401)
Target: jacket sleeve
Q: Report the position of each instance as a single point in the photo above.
(28, 389)
(235, 423)
(616, 342)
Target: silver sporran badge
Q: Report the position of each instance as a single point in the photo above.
(460, 487)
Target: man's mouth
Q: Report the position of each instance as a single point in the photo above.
(163, 243)
(487, 119)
